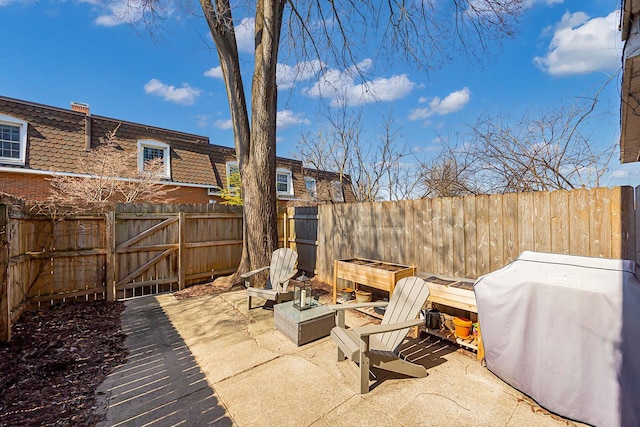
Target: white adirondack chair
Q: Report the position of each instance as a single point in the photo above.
(377, 345)
(282, 269)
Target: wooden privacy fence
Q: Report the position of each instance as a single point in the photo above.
(474, 235)
(142, 249)
(134, 250)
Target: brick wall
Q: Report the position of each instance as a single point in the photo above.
(37, 188)
(25, 186)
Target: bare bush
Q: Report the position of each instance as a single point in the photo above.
(109, 175)
(542, 151)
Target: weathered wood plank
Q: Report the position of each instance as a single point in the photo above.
(438, 239)
(447, 236)
(458, 236)
(637, 223)
(526, 234)
(616, 222)
(139, 235)
(143, 268)
(559, 209)
(579, 222)
(510, 227)
(424, 239)
(5, 283)
(483, 257)
(600, 222)
(182, 253)
(541, 221)
(496, 233)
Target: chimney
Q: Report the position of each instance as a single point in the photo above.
(84, 108)
(80, 107)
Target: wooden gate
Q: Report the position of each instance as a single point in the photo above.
(163, 251)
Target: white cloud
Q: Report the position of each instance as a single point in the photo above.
(203, 120)
(287, 76)
(453, 102)
(185, 95)
(223, 124)
(582, 45)
(287, 118)
(245, 35)
(341, 88)
(215, 72)
(117, 12)
(620, 173)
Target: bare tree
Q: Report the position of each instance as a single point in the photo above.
(330, 149)
(542, 151)
(374, 167)
(448, 175)
(420, 31)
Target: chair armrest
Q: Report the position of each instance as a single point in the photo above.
(288, 277)
(338, 307)
(252, 272)
(367, 330)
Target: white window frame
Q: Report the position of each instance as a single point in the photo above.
(312, 193)
(231, 165)
(289, 175)
(12, 121)
(151, 143)
(337, 197)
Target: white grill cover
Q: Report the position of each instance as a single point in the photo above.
(565, 330)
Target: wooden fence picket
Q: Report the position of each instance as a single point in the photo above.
(140, 249)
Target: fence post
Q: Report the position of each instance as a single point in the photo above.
(182, 264)
(110, 230)
(5, 290)
(285, 219)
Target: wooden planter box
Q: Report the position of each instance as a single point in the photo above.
(453, 292)
(375, 274)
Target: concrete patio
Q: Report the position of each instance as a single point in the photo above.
(256, 376)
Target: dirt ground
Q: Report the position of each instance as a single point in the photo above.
(55, 361)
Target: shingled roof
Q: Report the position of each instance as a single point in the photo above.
(56, 140)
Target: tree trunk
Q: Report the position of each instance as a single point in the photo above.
(260, 205)
(255, 145)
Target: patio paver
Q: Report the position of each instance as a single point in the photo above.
(264, 379)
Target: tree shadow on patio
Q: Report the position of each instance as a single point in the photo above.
(160, 382)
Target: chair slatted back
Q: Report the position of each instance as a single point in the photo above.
(409, 296)
(283, 261)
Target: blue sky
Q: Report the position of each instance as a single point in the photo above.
(78, 50)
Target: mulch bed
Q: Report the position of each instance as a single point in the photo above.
(56, 359)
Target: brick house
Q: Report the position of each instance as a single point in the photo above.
(38, 141)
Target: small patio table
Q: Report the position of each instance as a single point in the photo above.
(303, 326)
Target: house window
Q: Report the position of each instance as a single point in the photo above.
(284, 185)
(149, 150)
(336, 191)
(13, 140)
(310, 183)
(232, 169)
